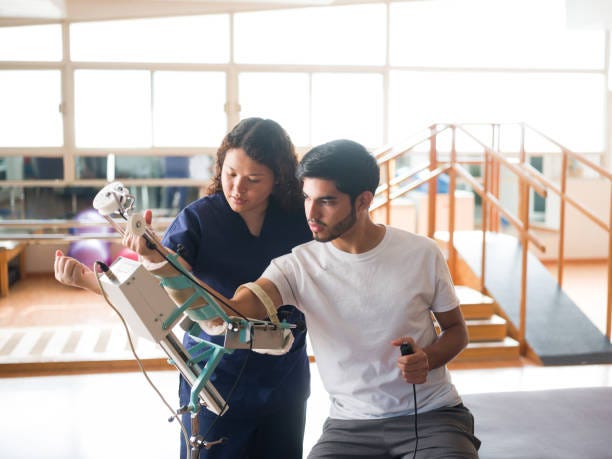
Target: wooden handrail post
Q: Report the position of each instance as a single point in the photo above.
(388, 192)
(432, 184)
(452, 255)
(561, 243)
(524, 213)
(495, 179)
(609, 310)
(484, 212)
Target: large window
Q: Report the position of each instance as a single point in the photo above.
(31, 43)
(129, 97)
(180, 39)
(317, 107)
(112, 108)
(323, 36)
(134, 108)
(555, 103)
(491, 34)
(30, 108)
(188, 108)
(283, 97)
(348, 106)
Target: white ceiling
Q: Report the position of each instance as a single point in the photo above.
(83, 10)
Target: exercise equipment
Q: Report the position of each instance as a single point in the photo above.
(157, 299)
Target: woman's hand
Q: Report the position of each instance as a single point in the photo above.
(72, 272)
(139, 245)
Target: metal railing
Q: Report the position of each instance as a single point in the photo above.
(491, 161)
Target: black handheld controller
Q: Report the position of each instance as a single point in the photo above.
(406, 348)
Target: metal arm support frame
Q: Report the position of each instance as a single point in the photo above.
(123, 279)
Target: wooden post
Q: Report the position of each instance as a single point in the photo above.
(561, 249)
(432, 184)
(388, 192)
(609, 311)
(452, 254)
(524, 214)
(485, 221)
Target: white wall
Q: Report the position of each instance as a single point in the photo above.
(583, 238)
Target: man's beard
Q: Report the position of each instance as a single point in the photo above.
(339, 228)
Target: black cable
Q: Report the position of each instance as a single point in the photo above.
(221, 300)
(416, 428)
(406, 349)
(153, 246)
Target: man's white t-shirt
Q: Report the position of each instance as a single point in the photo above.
(355, 304)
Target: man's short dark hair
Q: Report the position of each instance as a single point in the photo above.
(347, 163)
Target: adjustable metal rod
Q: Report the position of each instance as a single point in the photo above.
(181, 358)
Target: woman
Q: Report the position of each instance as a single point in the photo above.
(254, 213)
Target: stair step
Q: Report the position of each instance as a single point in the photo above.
(469, 296)
(490, 329)
(477, 311)
(475, 305)
(508, 349)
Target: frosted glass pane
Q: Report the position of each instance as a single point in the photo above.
(178, 39)
(283, 97)
(332, 35)
(491, 33)
(30, 108)
(112, 108)
(553, 103)
(188, 108)
(31, 43)
(348, 106)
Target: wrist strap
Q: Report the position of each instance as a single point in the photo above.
(264, 298)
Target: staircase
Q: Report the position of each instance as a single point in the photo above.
(488, 331)
(557, 332)
(528, 302)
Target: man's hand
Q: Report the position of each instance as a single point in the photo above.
(415, 366)
(72, 272)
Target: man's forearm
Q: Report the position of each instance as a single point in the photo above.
(243, 302)
(451, 342)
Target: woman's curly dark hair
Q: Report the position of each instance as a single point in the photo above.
(266, 142)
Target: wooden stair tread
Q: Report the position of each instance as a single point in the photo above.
(469, 296)
(493, 320)
(505, 350)
(505, 343)
(492, 328)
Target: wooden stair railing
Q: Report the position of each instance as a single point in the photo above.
(491, 160)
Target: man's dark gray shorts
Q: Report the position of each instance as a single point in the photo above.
(443, 433)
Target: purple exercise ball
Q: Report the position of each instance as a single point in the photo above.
(88, 251)
(98, 223)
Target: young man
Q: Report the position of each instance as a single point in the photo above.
(365, 289)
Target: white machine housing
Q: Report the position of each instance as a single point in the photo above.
(145, 306)
(142, 301)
